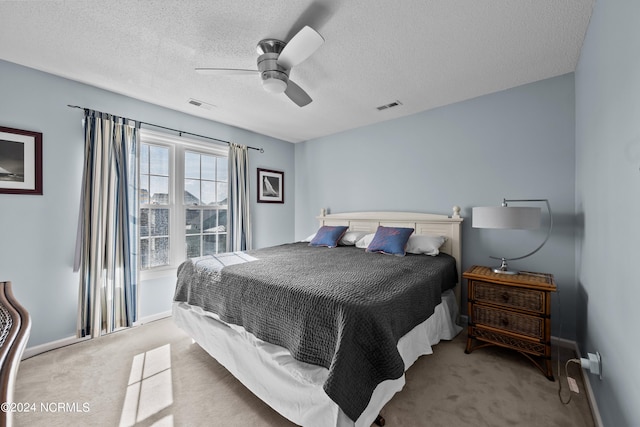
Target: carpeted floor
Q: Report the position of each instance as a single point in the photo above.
(152, 375)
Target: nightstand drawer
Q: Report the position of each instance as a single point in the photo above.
(509, 296)
(518, 323)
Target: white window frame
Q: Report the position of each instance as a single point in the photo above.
(177, 147)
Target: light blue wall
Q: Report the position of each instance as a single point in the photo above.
(608, 204)
(518, 143)
(37, 233)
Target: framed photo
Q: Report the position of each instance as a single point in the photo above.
(270, 186)
(20, 161)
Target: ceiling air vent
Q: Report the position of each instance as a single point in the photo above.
(201, 104)
(391, 105)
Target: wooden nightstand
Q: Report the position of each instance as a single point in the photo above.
(512, 311)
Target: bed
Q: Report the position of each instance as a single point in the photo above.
(337, 360)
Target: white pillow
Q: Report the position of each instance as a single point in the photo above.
(364, 242)
(310, 238)
(425, 244)
(350, 238)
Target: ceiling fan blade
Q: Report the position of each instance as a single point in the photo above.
(297, 94)
(226, 71)
(300, 47)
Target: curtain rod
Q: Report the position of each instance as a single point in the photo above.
(177, 130)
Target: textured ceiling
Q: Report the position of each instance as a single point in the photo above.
(424, 53)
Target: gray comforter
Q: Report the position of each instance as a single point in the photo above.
(340, 308)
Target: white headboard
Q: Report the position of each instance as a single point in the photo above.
(422, 223)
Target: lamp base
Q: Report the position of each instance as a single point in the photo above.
(500, 271)
(504, 268)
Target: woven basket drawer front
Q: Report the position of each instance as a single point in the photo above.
(509, 321)
(526, 299)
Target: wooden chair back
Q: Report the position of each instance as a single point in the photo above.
(15, 327)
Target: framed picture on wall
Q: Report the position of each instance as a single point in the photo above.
(270, 186)
(20, 161)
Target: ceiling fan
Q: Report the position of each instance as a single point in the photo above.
(276, 60)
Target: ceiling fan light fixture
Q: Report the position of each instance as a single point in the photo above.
(274, 81)
(274, 85)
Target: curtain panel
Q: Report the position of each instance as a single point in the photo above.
(107, 245)
(239, 227)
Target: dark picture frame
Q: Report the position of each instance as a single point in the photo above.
(270, 186)
(20, 161)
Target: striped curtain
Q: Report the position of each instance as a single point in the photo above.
(107, 250)
(239, 230)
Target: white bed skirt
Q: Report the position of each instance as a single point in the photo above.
(293, 388)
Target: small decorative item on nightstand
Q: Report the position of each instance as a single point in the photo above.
(512, 311)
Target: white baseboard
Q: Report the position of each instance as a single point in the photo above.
(152, 318)
(37, 349)
(564, 343)
(586, 379)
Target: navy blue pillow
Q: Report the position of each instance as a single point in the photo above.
(390, 240)
(329, 236)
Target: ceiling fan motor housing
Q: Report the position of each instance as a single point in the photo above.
(274, 77)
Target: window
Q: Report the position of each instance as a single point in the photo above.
(205, 199)
(182, 200)
(154, 199)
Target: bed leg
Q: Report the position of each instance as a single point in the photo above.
(379, 421)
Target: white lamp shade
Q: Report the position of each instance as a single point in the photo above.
(506, 217)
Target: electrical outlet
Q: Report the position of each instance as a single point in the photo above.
(599, 356)
(593, 363)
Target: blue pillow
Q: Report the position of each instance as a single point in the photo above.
(390, 240)
(329, 236)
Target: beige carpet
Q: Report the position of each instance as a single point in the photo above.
(152, 375)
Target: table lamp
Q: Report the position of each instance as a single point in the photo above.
(511, 217)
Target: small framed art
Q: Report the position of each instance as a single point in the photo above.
(20, 161)
(270, 186)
